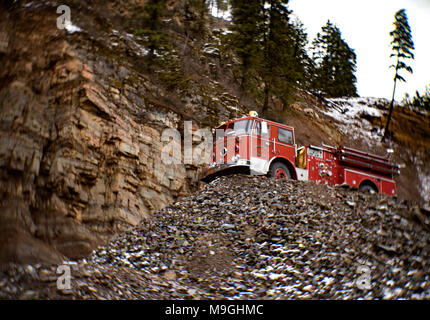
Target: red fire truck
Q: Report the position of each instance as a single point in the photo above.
(262, 147)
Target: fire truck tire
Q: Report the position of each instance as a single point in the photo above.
(280, 170)
(368, 188)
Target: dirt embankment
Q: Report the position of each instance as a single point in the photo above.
(245, 237)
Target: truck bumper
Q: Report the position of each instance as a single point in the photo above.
(225, 169)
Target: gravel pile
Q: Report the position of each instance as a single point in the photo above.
(244, 237)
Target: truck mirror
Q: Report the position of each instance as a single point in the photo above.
(264, 128)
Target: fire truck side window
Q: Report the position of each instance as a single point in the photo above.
(257, 129)
(285, 135)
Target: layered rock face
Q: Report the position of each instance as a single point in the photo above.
(80, 149)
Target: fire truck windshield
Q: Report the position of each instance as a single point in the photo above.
(240, 127)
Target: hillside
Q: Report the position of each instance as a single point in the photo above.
(245, 237)
(83, 111)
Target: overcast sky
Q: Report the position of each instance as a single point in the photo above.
(365, 26)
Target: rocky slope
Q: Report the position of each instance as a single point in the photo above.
(248, 237)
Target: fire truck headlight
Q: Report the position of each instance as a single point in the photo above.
(235, 158)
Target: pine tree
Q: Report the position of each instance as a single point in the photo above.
(335, 63)
(196, 16)
(271, 48)
(402, 47)
(302, 62)
(247, 18)
(420, 101)
(150, 15)
(285, 60)
(278, 52)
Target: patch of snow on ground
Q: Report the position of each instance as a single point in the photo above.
(424, 178)
(349, 114)
(130, 39)
(347, 110)
(210, 50)
(226, 31)
(71, 28)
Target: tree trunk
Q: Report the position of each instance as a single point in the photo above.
(386, 130)
(266, 98)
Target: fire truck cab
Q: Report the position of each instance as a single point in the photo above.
(261, 147)
(256, 145)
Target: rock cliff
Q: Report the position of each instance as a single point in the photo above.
(80, 133)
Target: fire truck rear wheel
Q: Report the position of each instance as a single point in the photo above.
(280, 171)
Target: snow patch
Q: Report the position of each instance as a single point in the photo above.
(346, 110)
(130, 39)
(424, 178)
(211, 50)
(71, 28)
(352, 117)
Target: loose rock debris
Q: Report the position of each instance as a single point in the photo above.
(244, 237)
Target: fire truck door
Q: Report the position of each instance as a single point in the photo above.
(260, 147)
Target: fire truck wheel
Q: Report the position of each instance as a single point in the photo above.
(280, 171)
(368, 188)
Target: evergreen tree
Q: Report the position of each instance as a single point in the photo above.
(285, 60)
(302, 62)
(270, 47)
(196, 16)
(278, 51)
(335, 63)
(150, 15)
(420, 101)
(247, 18)
(402, 46)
